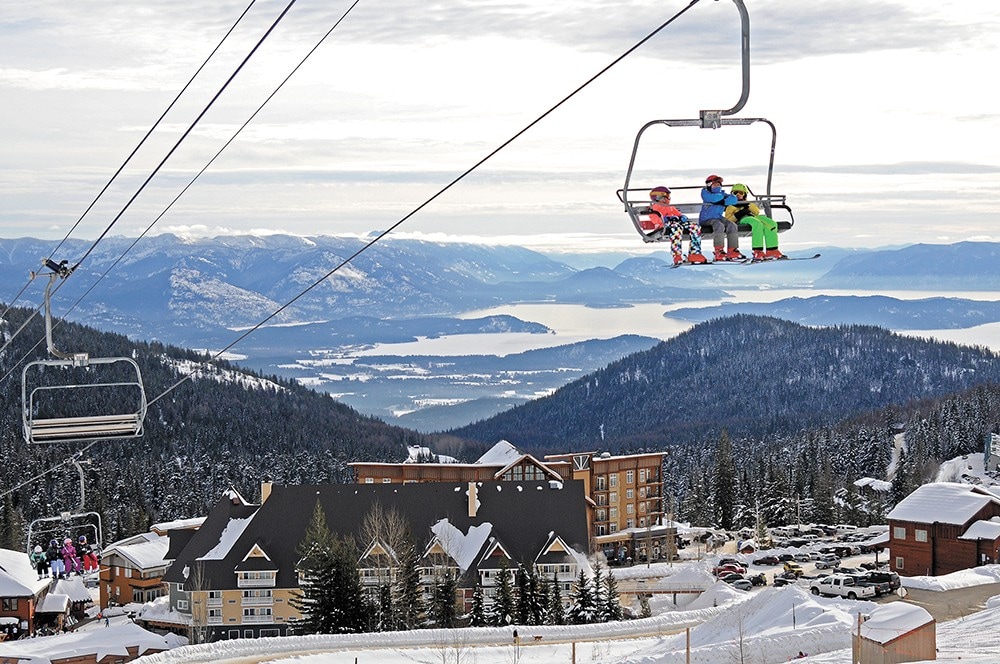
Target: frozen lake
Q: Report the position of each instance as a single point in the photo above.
(572, 323)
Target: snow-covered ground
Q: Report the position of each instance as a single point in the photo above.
(768, 626)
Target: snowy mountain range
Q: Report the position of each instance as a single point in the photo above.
(205, 293)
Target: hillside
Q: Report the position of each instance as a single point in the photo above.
(752, 376)
(226, 428)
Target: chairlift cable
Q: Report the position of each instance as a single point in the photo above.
(133, 153)
(149, 178)
(54, 468)
(181, 193)
(429, 200)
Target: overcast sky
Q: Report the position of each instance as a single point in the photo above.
(886, 116)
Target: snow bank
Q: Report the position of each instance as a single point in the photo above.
(965, 578)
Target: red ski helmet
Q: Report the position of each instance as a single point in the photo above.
(712, 178)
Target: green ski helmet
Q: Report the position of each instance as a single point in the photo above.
(739, 187)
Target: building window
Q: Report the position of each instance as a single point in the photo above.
(898, 532)
(614, 513)
(369, 480)
(386, 480)
(602, 483)
(642, 522)
(602, 499)
(614, 527)
(613, 479)
(629, 477)
(630, 523)
(9, 604)
(613, 498)
(899, 562)
(602, 515)
(182, 605)
(920, 535)
(630, 509)
(642, 474)
(629, 494)
(601, 530)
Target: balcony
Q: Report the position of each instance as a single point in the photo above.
(248, 620)
(214, 602)
(255, 583)
(258, 601)
(214, 620)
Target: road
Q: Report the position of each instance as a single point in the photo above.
(949, 604)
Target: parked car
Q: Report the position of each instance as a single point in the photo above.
(801, 558)
(794, 568)
(732, 576)
(841, 586)
(732, 561)
(827, 561)
(885, 577)
(729, 569)
(767, 560)
(850, 571)
(785, 557)
(758, 579)
(782, 580)
(742, 584)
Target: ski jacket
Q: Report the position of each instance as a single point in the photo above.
(38, 558)
(737, 211)
(69, 552)
(666, 211)
(53, 553)
(713, 203)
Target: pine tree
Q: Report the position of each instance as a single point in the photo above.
(612, 602)
(503, 602)
(409, 602)
(316, 571)
(725, 483)
(557, 612)
(598, 594)
(524, 600)
(538, 605)
(477, 615)
(581, 609)
(443, 609)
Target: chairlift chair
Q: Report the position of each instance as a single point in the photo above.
(72, 397)
(636, 199)
(71, 523)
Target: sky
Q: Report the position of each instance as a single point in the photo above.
(886, 130)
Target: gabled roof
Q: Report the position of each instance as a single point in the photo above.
(532, 460)
(982, 530)
(495, 556)
(501, 454)
(943, 502)
(17, 575)
(377, 548)
(256, 560)
(143, 551)
(554, 551)
(889, 622)
(522, 514)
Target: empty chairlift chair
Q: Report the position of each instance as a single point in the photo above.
(73, 397)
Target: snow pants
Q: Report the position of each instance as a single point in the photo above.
(763, 231)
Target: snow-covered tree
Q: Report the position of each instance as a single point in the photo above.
(503, 609)
(581, 609)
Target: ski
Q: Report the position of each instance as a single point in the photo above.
(782, 260)
(710, 263)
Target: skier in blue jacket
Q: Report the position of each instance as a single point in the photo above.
(714, 201)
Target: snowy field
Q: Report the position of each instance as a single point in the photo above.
(769, 626)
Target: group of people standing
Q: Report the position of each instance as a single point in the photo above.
(61, 561)
(721, 212)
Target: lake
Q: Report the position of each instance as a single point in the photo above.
(572, 323)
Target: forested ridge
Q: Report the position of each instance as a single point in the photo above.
(763, 420)
(201, 438)
(752, 376)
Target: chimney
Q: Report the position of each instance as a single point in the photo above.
(473, 500)
(265, 490)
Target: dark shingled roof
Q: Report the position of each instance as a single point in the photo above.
(523, 515)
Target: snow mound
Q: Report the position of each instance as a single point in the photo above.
(964, 578)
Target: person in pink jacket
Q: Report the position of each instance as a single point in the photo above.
(70, 559)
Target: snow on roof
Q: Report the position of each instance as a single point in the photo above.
(178, 524)
(54, 603)
(890, 621)
(108, 641)
(144, 551)
(462, 547)
(873, 484)
(501, 454)
(158, 610)
(942, 502)
(987, 530)
(73, 588)
(227, 538)
(415, 452)
(17, 575)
